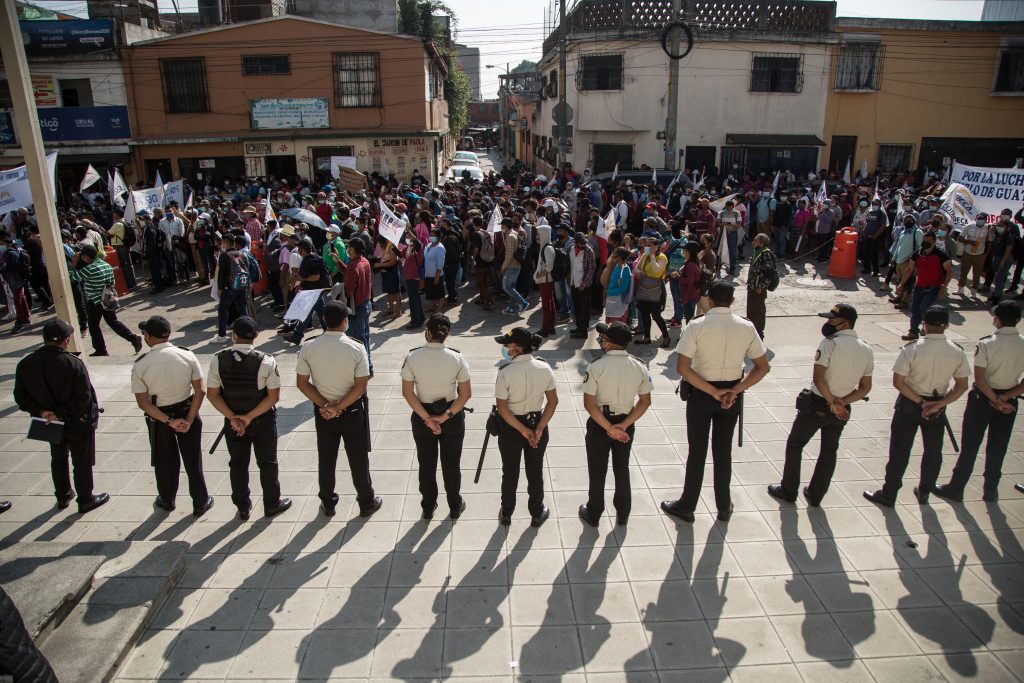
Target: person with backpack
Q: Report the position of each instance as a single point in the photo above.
(451, 240)
(233, 282)
(97, 278)
(544, 276)
(515, 255)
(16, 271)
(123, 238)
(153, 249)
(761, 279)
(481, 247)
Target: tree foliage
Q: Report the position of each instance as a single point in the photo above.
(525, 66)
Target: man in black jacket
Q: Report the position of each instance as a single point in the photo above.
(52, 384)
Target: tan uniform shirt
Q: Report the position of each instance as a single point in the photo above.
(333, 361)
(616, 379)
(436, 371)
(929, 363)
(522, 382)
(718, 344)
(1002, 356)
(846, 360)
(167, 372)
(268, 377)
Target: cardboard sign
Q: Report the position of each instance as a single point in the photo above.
(352, 180)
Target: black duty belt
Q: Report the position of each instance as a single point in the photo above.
(529, 419)
(179, 410)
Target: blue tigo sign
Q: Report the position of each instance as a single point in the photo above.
(84, 123)
(66, 37)
(6, 129)
(292, 112)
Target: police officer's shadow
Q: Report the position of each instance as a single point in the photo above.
(942, 571)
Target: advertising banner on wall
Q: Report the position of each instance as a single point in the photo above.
(292, 112)
(62, 124)
(993, 189)
(66, 37)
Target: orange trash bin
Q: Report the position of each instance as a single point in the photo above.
(120, 284)
(844, 255)
(260, 253)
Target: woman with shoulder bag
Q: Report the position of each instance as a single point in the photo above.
(688, 279)
(708, 262)
(617, 277)
(651, 273)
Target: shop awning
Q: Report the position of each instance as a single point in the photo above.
(774, 140)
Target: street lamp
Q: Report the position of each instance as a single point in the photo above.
(506, 136)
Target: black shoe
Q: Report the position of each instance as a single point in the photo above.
(579, 335)
(504, 518)
(673, 508)
(93, 503)
(807, 497)
(328, 510)
(282, 505)
(96, 354)
(725, 515)
(18, 327)
(541, 518)
(137, 343)
(5, 505)
(413, 326)
(166, 507)
(587, 517)
(921, 499)
(1019, 487)
(947, 492)
(776, 491)
(455, 514)
(244, 512)
(429, 514)
(65, 502)
(202, 510)
(621, 520)
(879, 498)
(991, 496)
(374, 505)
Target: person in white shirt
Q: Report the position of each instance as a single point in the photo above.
(975, 239)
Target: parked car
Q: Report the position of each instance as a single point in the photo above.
(466, 159)
(665, 177)
(475, 174)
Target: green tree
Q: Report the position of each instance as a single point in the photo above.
(456, 92)
(409, 20)
(525, 66)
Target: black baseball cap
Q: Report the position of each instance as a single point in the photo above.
(245, 327)
(936, 315)
(157, 326)
(844, 311)
(617, 333)
(520, 336)
(1007, 312)
(439, 323)
(57, 331)
(720, 290)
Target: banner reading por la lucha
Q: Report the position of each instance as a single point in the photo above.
(994, 189)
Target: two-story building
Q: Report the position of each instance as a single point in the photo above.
(281, 96)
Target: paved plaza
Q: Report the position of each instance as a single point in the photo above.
(847, 592)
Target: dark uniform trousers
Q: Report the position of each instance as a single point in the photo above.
(707, 421)
(19, 658)
(81, 448)
(599, 447)
(979, 416)
(515, 450)
(351, 428)
(902, 430)
(260, 436)
(449, 446)
(171, 449)
(805, 426)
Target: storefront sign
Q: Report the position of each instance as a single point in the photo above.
(207, 163)
(6, 129)
(293, 112)
(399, 157)
(993, 189)
(45, 90)
(66, 37)
(84, 123)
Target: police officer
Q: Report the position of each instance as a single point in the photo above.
(333, 372)
(52, 384)
(526, 400)
(244, 386)
(168, 386)
(616, 393)
(921, 375)
(842, 376)
(712, 350)
(435, 383)
(998, 363)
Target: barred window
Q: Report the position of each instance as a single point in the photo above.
(1010, 72)
(858, 67)
(266, 65)
(776, 73)
(184, 82)
(600, 72)
(894, 158)
(356, 79)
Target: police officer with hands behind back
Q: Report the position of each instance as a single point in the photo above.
(244, 386)
(842, 376)
(526, 399)
(998, 362)
(333, 371)
(921, 374)
(168, 385)
(435, 383)
(616, 393)
(712, 350)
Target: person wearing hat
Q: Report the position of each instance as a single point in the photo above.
(931, 270)
(582, 266)
(712, 351)
(334, 247)
(244, 386)
(168, 386)
(762, 272)
(526, 399)
(436, 385)
(333, 371)
(842, 376)
(921, 375)
(991, 404)
(95, 275)
(53, 385)
(616, 393)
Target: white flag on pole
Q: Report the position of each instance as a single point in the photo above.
(391, 226)
(846, 172)
(174, 192)
(864, 168)
(494, 224)
(668, 190)
(719, 204)
(387, 172)
(821, 197)
(723, 253)
(615, 171)
(899, 205)
(118, 189)
(603, 223)
(551, 183)
(876, 195)
(700, 183)
(654, 177)
(191, 194)
(90, 179)
(775, 183)
(268, 213)
(158, 182)
(129, 209)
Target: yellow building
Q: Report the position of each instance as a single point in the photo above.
(910, 94)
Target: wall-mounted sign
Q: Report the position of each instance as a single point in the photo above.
(44, 88)
(207, 163)
(292, 112)
(66, 37)
(84, 123)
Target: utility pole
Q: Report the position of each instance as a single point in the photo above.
(564, 140)
(13, 52)
(673, 92)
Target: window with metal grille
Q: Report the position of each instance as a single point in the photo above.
(1010, 72)
(356, 79)
(894, 158)
(600, 72)
(859, 66)
(773, 72)
(266, 65)
(184, 81)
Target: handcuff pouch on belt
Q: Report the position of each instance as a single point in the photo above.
(908, 407)
(493, 422)
(683, 390)
(816, 407)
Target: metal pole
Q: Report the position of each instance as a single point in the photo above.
(562, 58)
(27, 125)
(673, 93)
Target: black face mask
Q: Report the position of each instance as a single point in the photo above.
(828, 329)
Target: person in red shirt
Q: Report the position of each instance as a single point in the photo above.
(323, 209)
(357, 278)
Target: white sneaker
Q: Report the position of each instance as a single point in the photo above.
(221, 340)
(960, 291)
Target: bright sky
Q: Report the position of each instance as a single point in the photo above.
(509, 32)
